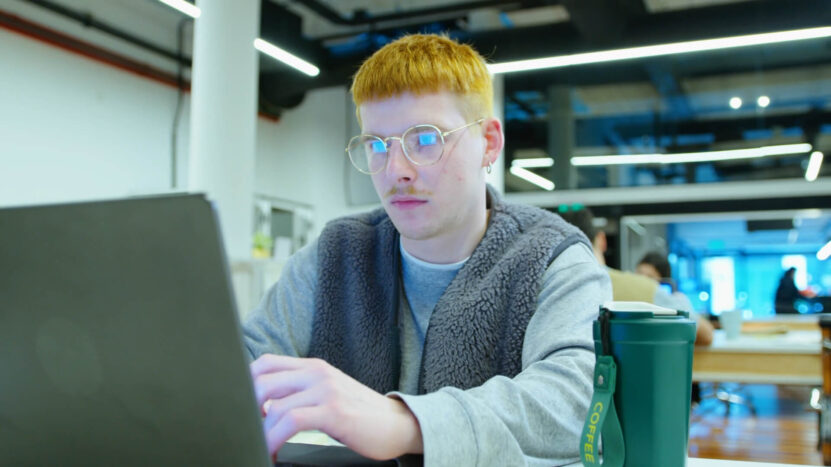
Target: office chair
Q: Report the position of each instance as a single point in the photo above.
(730, 394)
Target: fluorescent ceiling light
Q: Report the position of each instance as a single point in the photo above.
(533, 162)
(185, 7)
(529, 176)
(659, 50)
(763, 101)
(681, 158)
(814, 164)
(824, 252)
(263, 46)
(291, 60)
(812, 213)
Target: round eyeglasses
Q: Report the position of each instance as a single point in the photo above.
(423, 145)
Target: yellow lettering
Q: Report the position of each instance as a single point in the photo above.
(588, 447)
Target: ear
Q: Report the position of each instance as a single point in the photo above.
(599, 246)
(494, 140)
(600, 241)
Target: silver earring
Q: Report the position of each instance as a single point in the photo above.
(489, 169)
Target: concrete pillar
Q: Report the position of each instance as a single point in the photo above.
(561, 137)
(224, 115)
(497, 175)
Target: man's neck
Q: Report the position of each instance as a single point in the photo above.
(450, 247)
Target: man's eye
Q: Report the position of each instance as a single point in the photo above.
(378, 146)
(427, 139)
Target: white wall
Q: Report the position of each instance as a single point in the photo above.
(302, 159)
(151, 20)
(73, 129)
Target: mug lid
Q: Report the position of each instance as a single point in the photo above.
(638, 307)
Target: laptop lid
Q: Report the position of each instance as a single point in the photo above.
(119, 341)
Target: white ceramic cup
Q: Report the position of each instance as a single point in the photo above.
(731, 323)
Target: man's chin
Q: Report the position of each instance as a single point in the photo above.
(417, 225)
(412, 232)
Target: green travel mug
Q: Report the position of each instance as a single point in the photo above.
(642, 383)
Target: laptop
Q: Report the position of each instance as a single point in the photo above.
(119, 341)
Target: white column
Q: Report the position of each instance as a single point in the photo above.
(497, 175)
(223, 115)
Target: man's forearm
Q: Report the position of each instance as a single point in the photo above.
(407, 427)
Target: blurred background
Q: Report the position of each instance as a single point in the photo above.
(692, 128)
(94, 102)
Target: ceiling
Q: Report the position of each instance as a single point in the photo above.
(672, 104)
(667, 104)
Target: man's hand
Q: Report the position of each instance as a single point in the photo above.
(310, 394)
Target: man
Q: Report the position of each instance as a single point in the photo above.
(787, 293)
(627, 286)
(448, 322)
(655, 266)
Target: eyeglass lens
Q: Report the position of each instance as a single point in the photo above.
(422, 145)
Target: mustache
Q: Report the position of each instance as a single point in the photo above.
(408, 190)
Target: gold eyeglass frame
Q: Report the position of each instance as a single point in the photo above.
(386, 143)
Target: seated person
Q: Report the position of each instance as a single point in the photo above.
(627, 286)
(448, 322)
(655, 265)
(787, 293)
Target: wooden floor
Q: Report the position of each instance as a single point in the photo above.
(784, 429)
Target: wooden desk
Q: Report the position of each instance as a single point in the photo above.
(790, 358)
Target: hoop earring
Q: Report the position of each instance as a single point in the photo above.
(489, 169)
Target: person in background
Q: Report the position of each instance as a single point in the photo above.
(447, 322)
(787, 293)
(627, 286)
(655, 265)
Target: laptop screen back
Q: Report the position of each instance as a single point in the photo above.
(119, 342)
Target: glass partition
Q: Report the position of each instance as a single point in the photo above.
(729, 261)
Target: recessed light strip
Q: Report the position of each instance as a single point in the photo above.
(824, 252)
(263, 46)
(814, 163)
(185, 7)
(529, 176)
(659, 50)
(680, 158)
(533, 162)
(291, 60)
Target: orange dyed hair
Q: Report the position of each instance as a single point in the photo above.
(426, 64)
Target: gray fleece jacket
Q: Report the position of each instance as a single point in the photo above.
(477, 326)
(532, 416)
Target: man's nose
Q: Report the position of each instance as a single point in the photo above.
(398, 166)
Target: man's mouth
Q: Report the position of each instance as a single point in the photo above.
(406, 202)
